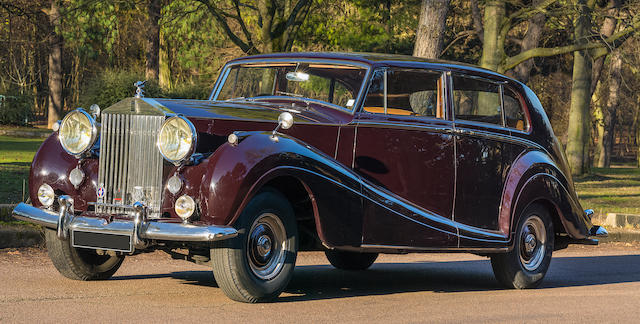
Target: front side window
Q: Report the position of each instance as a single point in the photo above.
(477, 100)
(410, 92)
(336, 84)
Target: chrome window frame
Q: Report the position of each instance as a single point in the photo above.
(358, 100)
(385, 69)
(500, 84)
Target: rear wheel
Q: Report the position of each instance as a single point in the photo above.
(258, 264)
(350, 260)
(80, 264)
(526, 265)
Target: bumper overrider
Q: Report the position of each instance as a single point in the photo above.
(117, 235)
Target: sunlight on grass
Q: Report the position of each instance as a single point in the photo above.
(16, 155)
(614, 190)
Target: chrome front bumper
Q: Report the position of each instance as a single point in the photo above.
(139, 229)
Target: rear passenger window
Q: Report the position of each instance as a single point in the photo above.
(513, 112)
(477, 100)
(410, 92)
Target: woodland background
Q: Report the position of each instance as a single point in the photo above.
(582, 57)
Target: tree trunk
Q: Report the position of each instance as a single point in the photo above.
(164, 65)
(637, 124)
(430, 34)
(55, 67)
(598, 119)
(579, 121)
(153, 41)
(531, 39)
(607, 29)
(609, 113)
(493, 46)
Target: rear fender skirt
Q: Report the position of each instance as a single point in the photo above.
(534, 177)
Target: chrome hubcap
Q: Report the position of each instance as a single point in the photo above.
(530, 243)
(533, 237)
(266, 246)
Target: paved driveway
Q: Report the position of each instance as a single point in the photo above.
(585, 284)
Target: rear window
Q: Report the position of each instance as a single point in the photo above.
(477, 100)
(486, 102)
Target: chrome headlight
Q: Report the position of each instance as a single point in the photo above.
(177, 139)
(77, 132)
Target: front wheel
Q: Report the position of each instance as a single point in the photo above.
(258, 264)
(526, 265)
(77, 263)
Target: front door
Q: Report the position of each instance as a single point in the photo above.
(405, 152)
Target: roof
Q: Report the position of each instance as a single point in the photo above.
(374, 59)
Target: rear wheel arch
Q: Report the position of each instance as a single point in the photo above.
(529, 194)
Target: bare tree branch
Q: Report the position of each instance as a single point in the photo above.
(598, 49)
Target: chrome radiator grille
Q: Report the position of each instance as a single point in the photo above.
(130, 164)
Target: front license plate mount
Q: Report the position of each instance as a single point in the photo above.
(101, 241)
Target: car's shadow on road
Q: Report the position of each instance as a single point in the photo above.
(313, 282)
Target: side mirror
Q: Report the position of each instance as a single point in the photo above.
(285, 121)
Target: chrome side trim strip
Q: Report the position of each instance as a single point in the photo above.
(437, 129)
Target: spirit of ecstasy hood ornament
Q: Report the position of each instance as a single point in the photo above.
(139, 88)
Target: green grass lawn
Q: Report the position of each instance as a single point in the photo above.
(16, 155)
(612, 190)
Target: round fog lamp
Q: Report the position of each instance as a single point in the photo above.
(46, 195)
(185, 206)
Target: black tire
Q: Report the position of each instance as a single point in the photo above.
(80, 264)
(250, 268)
(526, 265)
(346, 260)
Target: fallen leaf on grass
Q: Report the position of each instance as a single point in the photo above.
(14, 252)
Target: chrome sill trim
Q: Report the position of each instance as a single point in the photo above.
(432, 249)
(150, 230)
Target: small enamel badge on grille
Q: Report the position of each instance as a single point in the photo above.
(100, 192)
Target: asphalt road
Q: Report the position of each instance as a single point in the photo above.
(585, 284)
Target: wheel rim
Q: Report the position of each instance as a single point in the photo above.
(266, 246)
(533, 237)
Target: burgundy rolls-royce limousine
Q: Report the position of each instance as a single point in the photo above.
(350, 154)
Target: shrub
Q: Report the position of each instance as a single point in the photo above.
(15, 109)
(189, 91)
(111, 86)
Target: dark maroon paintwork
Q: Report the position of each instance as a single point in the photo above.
(373, 182)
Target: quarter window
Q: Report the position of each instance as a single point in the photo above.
(477, 100)
(409, 92)
(513, 113)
